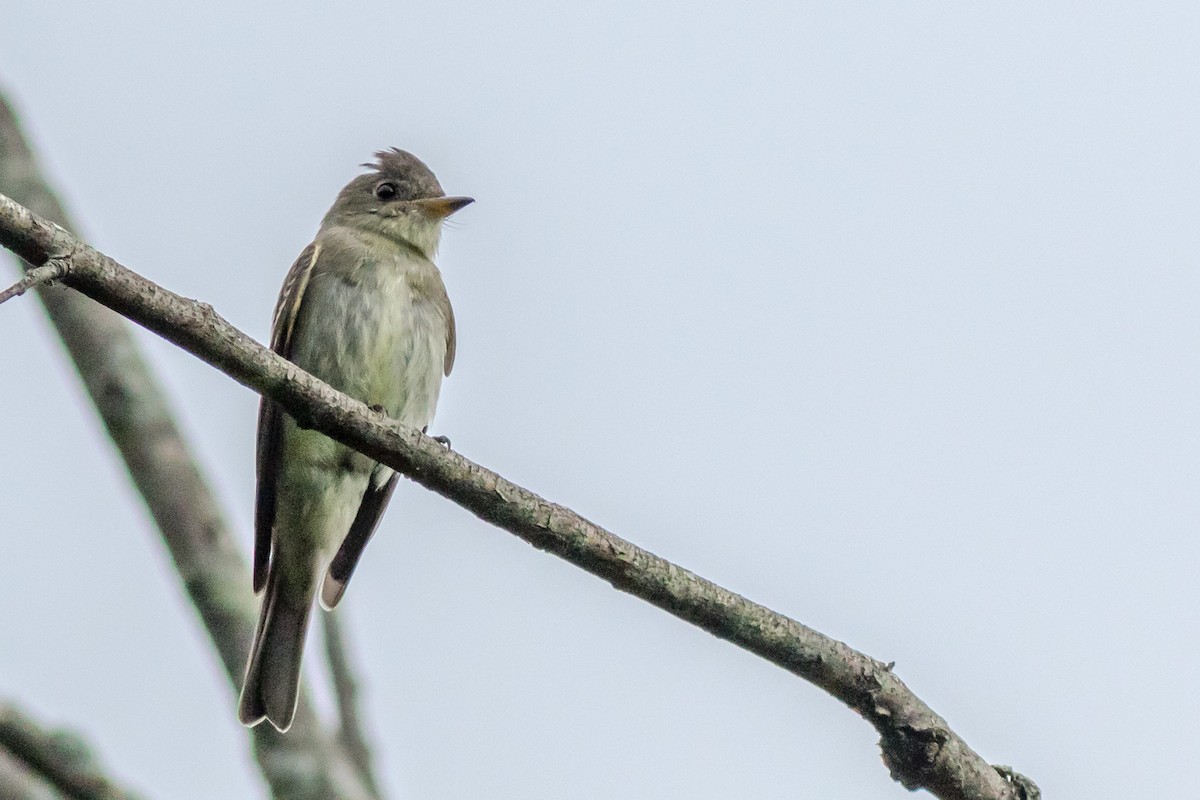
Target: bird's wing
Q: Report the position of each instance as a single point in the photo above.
(370, 511)
(287, 310)
(443, 303)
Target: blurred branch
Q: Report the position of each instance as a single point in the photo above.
(919, 748)
(19, 782)
(306, 763)
(345, 686)
(60, 759)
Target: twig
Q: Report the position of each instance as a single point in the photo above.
(306, 763)
(919, 748)
(61, 758)
(351, 733)
(49, 272)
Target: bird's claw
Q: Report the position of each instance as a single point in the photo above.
(444, 441)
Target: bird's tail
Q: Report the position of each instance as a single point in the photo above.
(272, 681)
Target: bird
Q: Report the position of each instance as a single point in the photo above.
(364, 309)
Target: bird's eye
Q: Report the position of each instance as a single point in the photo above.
(386, 190)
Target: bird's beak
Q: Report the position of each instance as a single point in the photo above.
(442, 207)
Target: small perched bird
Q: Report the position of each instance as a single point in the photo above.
(365, 310)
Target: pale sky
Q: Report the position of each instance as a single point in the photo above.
(883, 315)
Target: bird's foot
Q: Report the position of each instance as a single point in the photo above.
(444, 441)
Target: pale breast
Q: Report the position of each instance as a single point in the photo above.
(373, 335)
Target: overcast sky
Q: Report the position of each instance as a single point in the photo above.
(884, 315)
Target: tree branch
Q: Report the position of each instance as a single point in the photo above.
(306, 763)
(60, 758)
(19, 782)
(919, 748)
(351, 733)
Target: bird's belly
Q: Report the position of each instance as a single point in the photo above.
(378, 343)
(320, 488)
(384, 346)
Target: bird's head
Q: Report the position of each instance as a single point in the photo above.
(398, 198)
